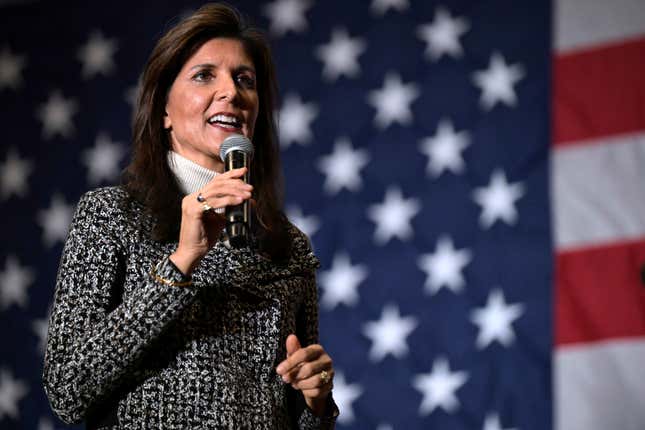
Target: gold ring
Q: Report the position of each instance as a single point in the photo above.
(324, 376)
(207, 208)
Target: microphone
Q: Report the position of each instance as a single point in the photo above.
(236, 151)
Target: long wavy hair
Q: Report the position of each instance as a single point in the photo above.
(149, 180)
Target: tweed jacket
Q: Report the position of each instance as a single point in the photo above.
(155, 356)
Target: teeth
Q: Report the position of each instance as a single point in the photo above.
(226, 119)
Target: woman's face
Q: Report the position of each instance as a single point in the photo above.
(213, 96)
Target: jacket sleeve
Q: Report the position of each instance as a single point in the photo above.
(307, 332)
(93, 345)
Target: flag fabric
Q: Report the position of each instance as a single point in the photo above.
(470, 175)
(599, 214)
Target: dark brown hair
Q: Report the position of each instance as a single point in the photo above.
(148, 178)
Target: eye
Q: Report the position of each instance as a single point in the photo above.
(246, 80)
(202, 76)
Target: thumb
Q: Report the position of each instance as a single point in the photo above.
(293, 344)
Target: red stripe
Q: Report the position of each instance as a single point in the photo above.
(599, 294)
(599, 92)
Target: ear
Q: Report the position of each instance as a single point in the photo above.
(167, 124)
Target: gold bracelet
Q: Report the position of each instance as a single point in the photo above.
(169, 282)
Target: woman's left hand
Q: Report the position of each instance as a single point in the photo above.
(309, 370)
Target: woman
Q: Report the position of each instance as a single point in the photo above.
(157, 322)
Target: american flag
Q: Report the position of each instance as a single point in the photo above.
(470, 174)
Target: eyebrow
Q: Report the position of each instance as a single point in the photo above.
(240, 68)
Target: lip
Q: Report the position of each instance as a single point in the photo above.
(228, 129)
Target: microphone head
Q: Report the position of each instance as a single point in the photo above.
(235, 142)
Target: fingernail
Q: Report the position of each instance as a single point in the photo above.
(279, 369)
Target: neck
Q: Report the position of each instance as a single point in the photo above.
(190, 175)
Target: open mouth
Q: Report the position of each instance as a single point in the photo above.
(230, 122)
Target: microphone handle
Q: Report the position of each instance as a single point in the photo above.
(237, 216)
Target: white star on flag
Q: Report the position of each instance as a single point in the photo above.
(39, 328)
(380, 7)
(340, 283)
(498, 200)
(495, 319)
(342, 167)
(393, 217)
(344, 395)
(439, 387)
(14, 172)
(444, 149)
(309, 225)
(56, 220)
(295, 121)
(392, 102)
(56, 115)
(102, 160)
(14, 280)
(287, 15)
(497, 82)
(442, 35)
(96, 55)
(11, 392)
(340, 55)
(492, 422)
(388, 335)
(11, 69)
(443, 267)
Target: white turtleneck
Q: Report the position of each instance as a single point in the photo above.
(190, 175)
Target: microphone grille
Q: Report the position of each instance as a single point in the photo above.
(235, 142)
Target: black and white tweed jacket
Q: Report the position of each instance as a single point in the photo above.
(151, 356)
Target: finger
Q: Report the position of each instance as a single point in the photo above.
(293, 344)
(221, 202)
(228, 190)
(198, 210)
(314, 381)
(308, 369)
(233, 173)
(225, 196)
(302, 355)
(312, 368)
(226, 186)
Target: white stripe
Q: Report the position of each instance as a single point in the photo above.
(600, 386)
(581, 24)
(598, 191)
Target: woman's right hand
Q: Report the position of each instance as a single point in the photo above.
(200, 229)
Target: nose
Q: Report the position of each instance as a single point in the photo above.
(227, 90)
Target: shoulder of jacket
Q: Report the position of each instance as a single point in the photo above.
(113, 212)
(112, 199)
(105, 195)
(112, 205)
(301, 248)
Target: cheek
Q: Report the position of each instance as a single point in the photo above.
(183, 106)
